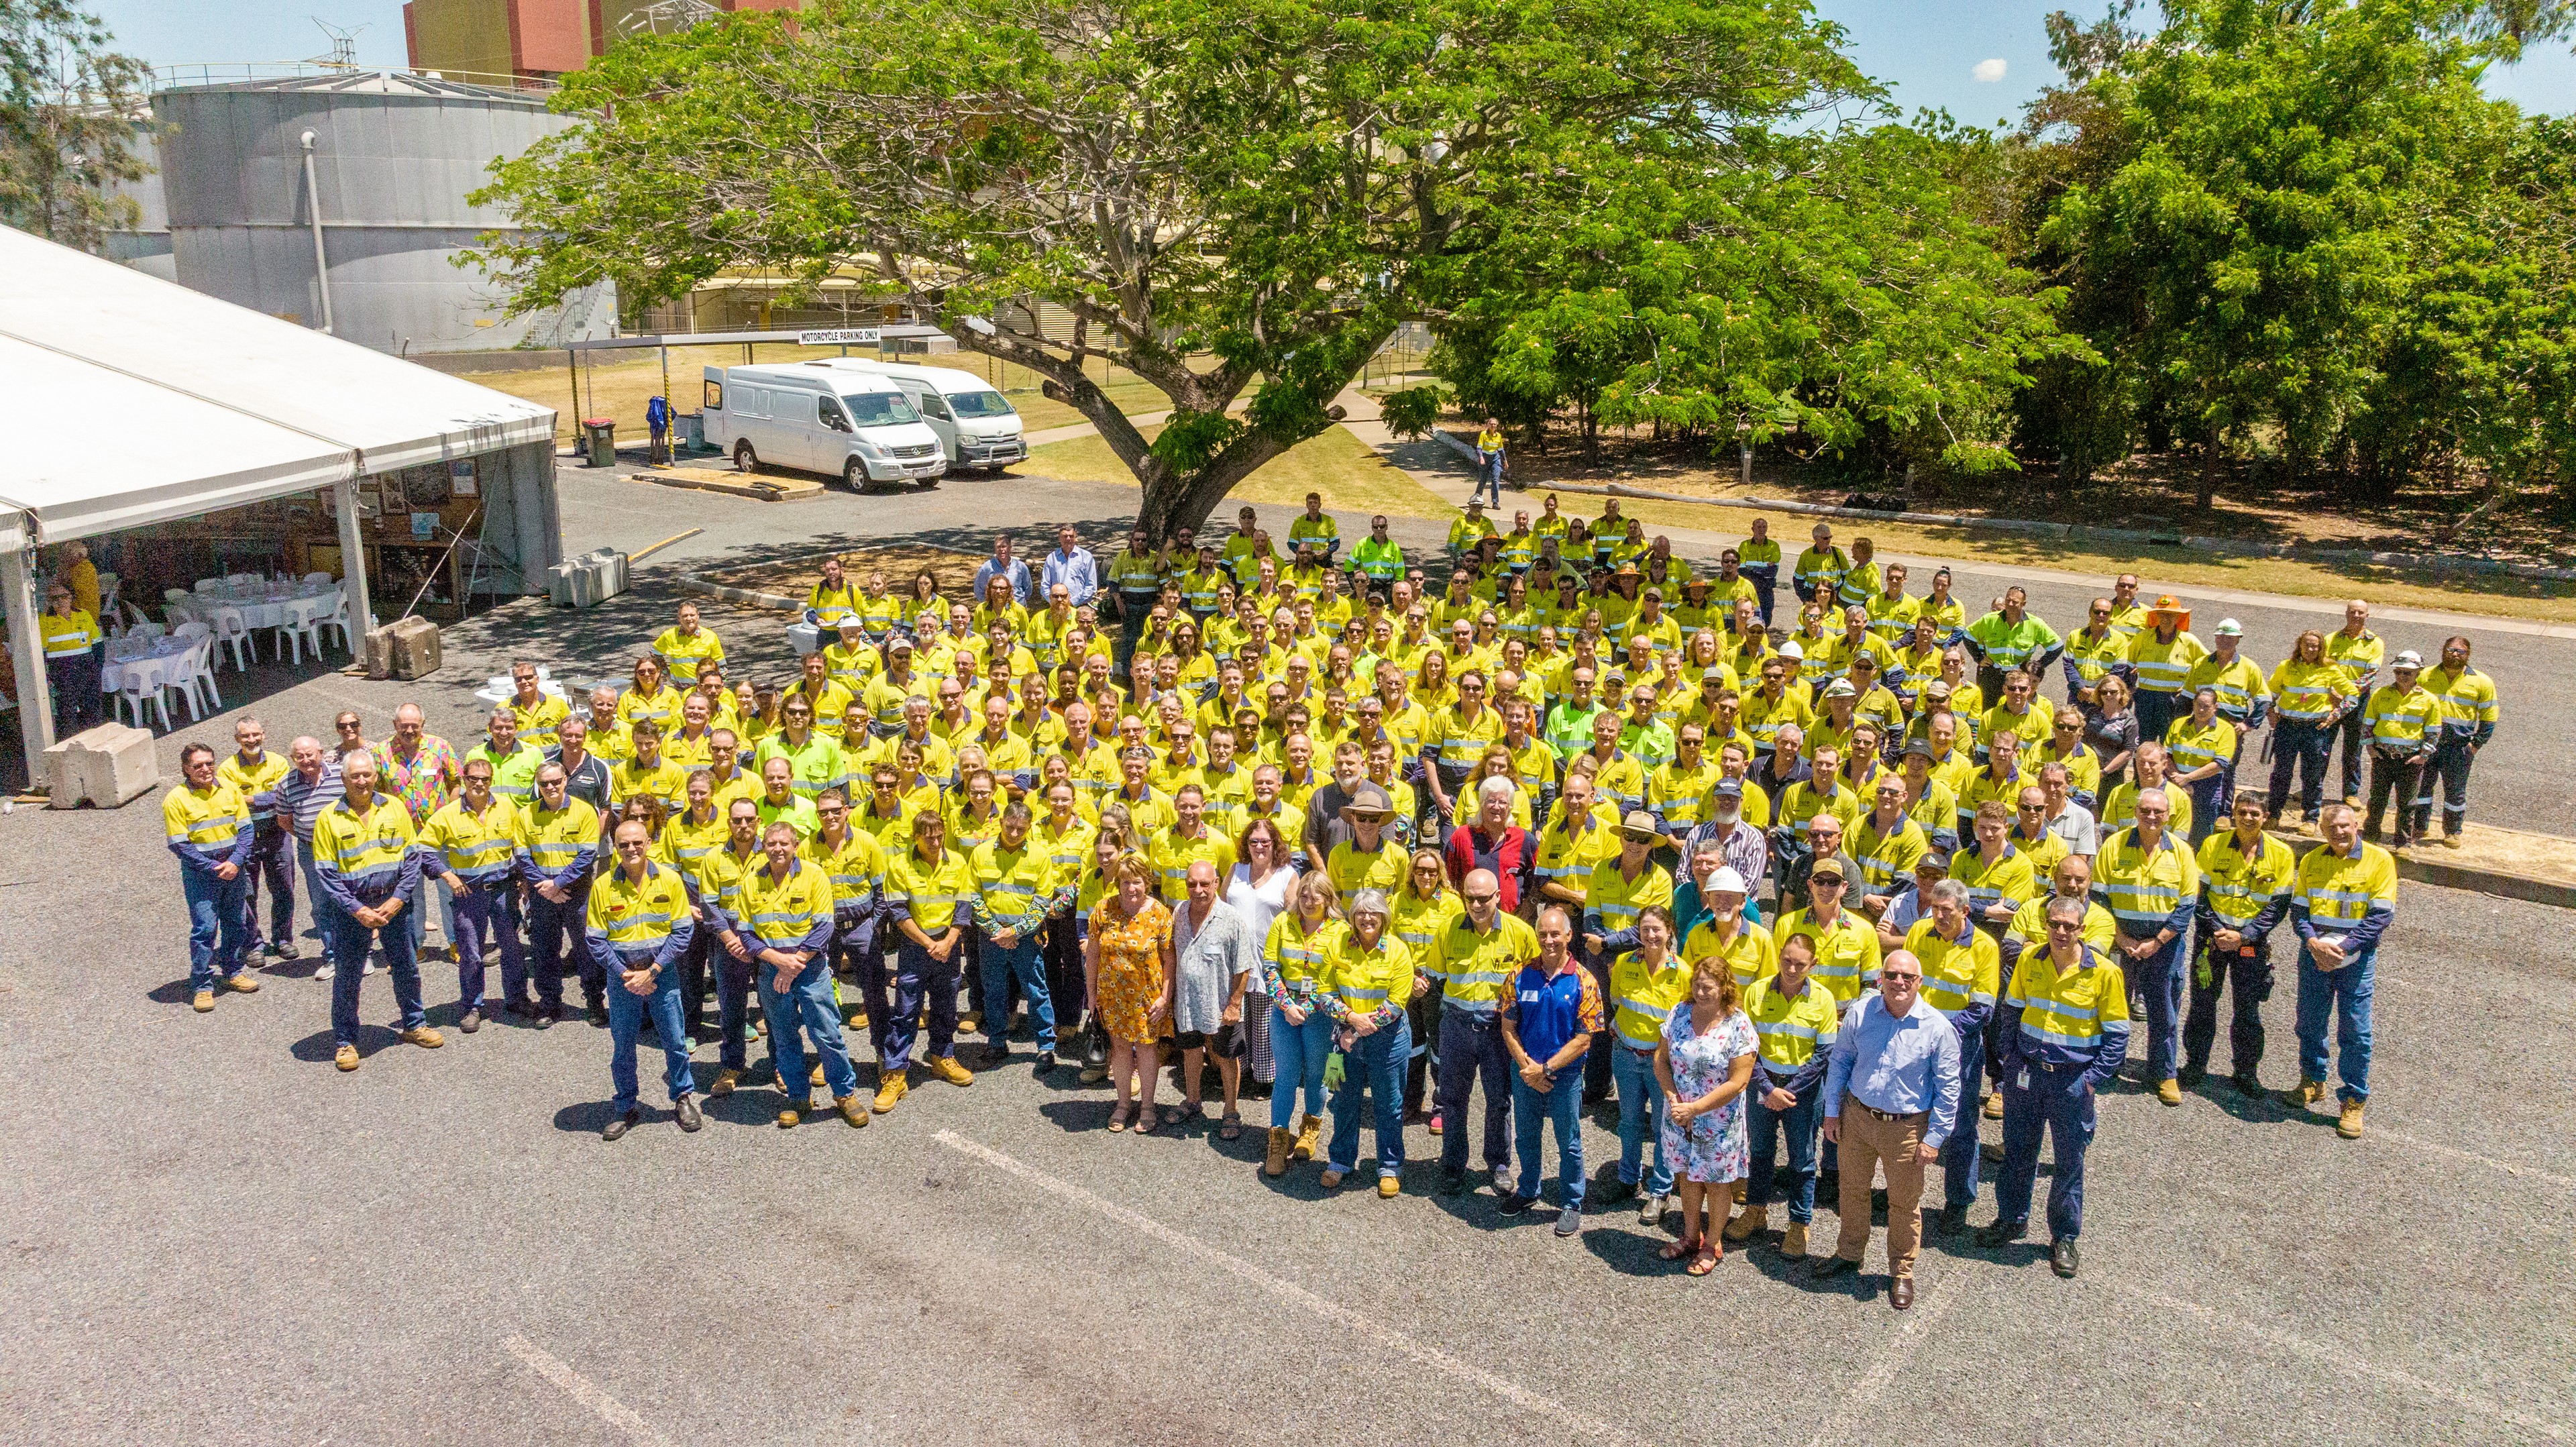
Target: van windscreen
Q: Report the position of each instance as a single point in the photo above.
(980, 404)
(880, 409)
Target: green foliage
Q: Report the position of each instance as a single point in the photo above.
(69, 123)
(1413, 412)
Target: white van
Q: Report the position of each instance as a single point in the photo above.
(820, 417)
(977, 426)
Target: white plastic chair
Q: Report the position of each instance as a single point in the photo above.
(202, 675)
(109, 585)
(317, 580)
(303, 625)
(337, 617)
(142, 685)
(241, 580)
(235, 634)
(192, 628)
(146, 629)
(209, 585)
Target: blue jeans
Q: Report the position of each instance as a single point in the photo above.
(1960, 1162)
(1026, 963)
(1798, 1123)
(218, 925)
(350, 942)
(1374, 1064)
(1489, 477)
(323, 913)
(2050, 1102)
(626, 1012)
(1297, 1052)
(1641, 1113)
(2159, 978)
(1471, 1048)
(917, 978)
(1563, 1106)
(807, 1001)
(487, 910)
(2344, 996)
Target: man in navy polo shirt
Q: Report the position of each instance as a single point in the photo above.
(1548, 1023)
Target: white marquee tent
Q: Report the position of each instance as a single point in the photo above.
(134, 401)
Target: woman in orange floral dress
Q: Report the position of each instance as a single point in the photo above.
(1125, 964)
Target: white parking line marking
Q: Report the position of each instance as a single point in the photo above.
(1891, 1360)
(581, 1389)
(2344, 1361)
(1341, 1316)
(2510, 1169)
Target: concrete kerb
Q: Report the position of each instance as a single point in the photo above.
(2431, 562)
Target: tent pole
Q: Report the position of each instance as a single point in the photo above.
(353, 563)
(27, 652)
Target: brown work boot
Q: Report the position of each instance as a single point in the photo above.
(2306, 1093)
(1329, 1179)
(1994, 1106)
(1793, 1242)
(792, 1112)
(851, 1110)
(816, 1076)
(244, 983)
(346, 1057)
(2349, 1126)
(203, 1001)
(2169, 1090)
(1388, 1188)
(947, 1068)
(1747, 1221)
(424, 1036)
(1310, 1131)
(1275, 1161)
(726, 1079)
(895, 1088)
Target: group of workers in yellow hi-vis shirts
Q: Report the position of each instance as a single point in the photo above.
(1575, 740)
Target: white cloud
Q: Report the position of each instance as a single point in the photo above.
(1987, 72)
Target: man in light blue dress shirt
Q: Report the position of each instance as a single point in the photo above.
(1072, 565)
(1891, 1096)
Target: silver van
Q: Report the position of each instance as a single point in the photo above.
(820, 417)
(977, 426)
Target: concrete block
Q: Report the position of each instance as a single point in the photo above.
(107, 766)
(405, 648)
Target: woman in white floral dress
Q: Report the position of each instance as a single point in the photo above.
(1704, 1062)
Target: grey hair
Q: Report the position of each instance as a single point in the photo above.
(2065, 907)
(1369, 901)
(1950, 891)
(1495, 786)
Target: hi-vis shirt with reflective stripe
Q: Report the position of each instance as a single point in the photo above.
(1462, 739)
(2339, 891)
(2305, 691)
(2468, 699)
(2193, 745)
(68, 636)
(1365, 984)
(2241, 885)
(857, 867)
(1751, 955)
(1790, 1030)
(2143, 886)
(790, 913)
(1846, 951)
(2400, 719)
(554, 839)
(1013, 884)
(1475, 967)
(2237, 684)
(1420, 922)
(719, 875)
(931, 894)
(2163, 667)
(209, 820)
(1887, 858)
(1958, 974)
(639, 919)
(1618, 900)
(2010, 877)
(685, 840)
(1293, 956)
(473, 847)
(368, 849)
(2070, 1018)
(1641, 1000)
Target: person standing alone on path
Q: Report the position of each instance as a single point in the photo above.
(1491, 462)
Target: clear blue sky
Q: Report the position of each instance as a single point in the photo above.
(1928, 52)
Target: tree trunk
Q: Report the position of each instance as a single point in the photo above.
(2208, 473)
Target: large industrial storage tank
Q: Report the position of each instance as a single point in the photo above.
(393, 158)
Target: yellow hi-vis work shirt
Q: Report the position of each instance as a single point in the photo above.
(553, 839)
(930, 893)
(2339, 891)
(209, 819)
(1789, 1031)
(1957, 974)
(1172, 856)
(1642, 999)
(2064, 1016)
(636, 919)
(1013, 886)
(474, 847)
(1365, 984)
(856, 868)
(785, 914)
(1751, 955)
(1618, 900)
(1353, 869)
(368, 849)
(2399, 720)
(2142, 886)
(2240, 885)
(1846, 950)
(2029, 927)
(686, 840)
(1475, 967)
(1292, 958)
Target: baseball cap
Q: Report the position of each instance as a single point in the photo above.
(1937, 858)
(1918, 747)
(1730, 788)
(1826, 869)
(899, 643)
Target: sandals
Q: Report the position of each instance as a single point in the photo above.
(1706, 1260)
(1118, 1116)
(1173, 1115)
(1676, 1250)
(1231, 1128)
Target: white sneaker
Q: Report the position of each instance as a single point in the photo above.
(324, 972)
(369, 969)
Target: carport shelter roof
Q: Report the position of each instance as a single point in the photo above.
(135, 401)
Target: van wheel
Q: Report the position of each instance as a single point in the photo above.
(855, 473)
(744, 459)
(928, 483)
